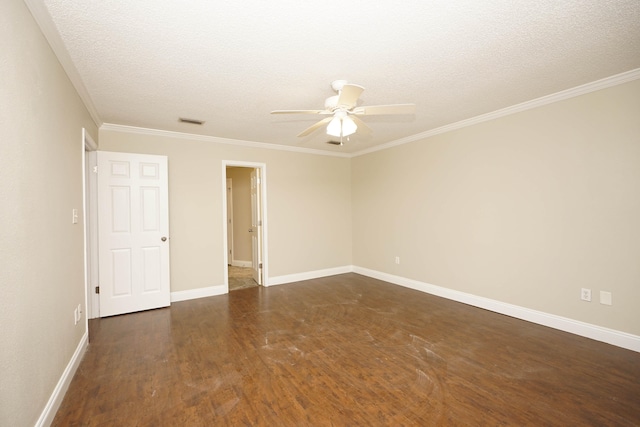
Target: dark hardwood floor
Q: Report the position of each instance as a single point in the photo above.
(344, 350)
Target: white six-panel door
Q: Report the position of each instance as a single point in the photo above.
(133, 232)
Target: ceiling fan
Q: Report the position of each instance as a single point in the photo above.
(343, 113)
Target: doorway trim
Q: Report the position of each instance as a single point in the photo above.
(265, 222)
(90, 224)
(229, 221)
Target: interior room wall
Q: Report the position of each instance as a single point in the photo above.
(308, 205)
(41, 251)
(241, 178)
(526, 209)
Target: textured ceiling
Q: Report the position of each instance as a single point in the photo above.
(145, 63)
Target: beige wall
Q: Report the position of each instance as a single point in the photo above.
(526, 209)
(41, 251)
(308, 206)
(241, 184)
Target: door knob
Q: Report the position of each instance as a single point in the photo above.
(251, 230)
(164, 239)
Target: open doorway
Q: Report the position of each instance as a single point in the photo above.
(245, 225)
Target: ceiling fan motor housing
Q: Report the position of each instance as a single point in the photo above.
(331, 102)
(337, 85)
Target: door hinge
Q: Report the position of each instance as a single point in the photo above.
(97, 289)
(260, 265)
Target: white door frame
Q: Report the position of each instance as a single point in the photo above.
(90, 224)
(256, 226)
(265, 223)
(229, 221)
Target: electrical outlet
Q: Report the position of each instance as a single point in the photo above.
(74, 216)
(79, 310)
(605, 298)
(75, 316)
(585, 294)
(397, 260)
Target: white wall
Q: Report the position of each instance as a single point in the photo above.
(526, 209)
(41, 251)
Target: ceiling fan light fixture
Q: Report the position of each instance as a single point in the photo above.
(333, 128)
(349, 127)
(341, 126)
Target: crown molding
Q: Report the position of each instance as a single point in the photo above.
(584, 89)
(217, 140)
(47, 27)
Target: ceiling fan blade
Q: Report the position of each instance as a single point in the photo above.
(315, 126)
(385, 109)
(300, 112)
(362, 127)
(349, 96)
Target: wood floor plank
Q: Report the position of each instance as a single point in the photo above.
(344, 350)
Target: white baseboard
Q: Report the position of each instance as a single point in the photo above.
(598, 333)
(240, 263)
(281, 280)
(210, 291)
(52, 406)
